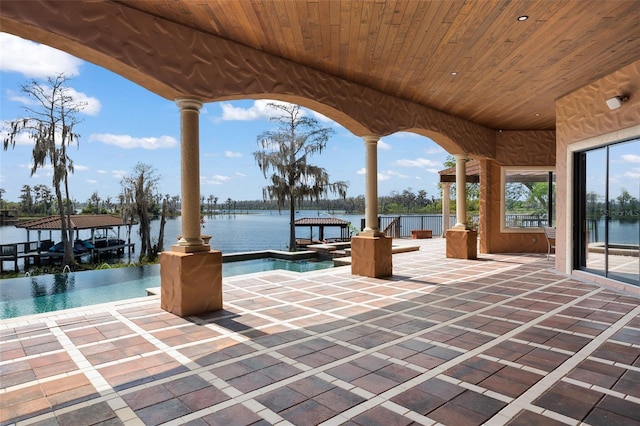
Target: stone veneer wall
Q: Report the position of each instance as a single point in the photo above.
(583, 115)
(513, 148)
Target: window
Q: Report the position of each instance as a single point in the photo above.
(528, 198)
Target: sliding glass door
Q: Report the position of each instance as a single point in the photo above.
(607, 206)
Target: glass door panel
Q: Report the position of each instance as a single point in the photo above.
(623, 214)
(596, 206)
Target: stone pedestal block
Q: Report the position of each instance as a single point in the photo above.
(418, 234)
(191, 283)
(462, 244)
(371, 256)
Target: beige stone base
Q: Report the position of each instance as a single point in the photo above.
(191, 283)
(462, 244)
(371, 256)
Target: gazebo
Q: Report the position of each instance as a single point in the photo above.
(321, 223)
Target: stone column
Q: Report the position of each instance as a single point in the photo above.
(371, 196)
(461, 191)
(371, 254)
(462, 243)
(190, 176)
(191, 273)
(446, 207)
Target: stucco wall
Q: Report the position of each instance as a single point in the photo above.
(513, 148)
(584, 115)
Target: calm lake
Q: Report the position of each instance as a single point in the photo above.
(252, 231)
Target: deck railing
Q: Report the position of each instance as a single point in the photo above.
(401, 226)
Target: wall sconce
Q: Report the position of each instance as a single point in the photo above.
(617, 101)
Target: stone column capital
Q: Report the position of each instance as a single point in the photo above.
(459, 157)
(370, 139)
(189, 103)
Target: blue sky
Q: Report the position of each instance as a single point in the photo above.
(124, 123)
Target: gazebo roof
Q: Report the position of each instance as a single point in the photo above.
(321, 221)
(83, 221)
(472, 173)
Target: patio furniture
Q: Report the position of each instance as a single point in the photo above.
(550, 234)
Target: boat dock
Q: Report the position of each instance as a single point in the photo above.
(38, 253)
(43, 251)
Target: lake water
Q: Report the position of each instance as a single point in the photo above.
(257, 230)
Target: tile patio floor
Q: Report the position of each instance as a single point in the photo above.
(499, 340)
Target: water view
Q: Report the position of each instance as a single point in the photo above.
(235, 233)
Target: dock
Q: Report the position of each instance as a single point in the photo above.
(38, 254)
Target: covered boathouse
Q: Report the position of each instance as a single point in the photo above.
(42, 248)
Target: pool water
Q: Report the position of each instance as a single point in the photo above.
(47, 293)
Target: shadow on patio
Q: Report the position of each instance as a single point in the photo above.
(504, 340)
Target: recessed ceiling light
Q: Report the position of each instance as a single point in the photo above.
(454, 73)
(523, 18)
(537, 114)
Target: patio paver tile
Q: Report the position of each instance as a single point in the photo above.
(308, 412)
(358, 337)
(380, 416)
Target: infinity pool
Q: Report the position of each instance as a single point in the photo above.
(48, 293)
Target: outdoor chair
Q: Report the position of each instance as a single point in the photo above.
(550, 234)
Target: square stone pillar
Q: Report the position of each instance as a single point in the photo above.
(371, 256)
(191, 283)
(462, 243)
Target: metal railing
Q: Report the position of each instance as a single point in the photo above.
(525, 221)
(401, 226)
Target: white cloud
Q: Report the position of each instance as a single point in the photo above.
(383, 145)
(24, 137)
(214, 180)
(102, 172)
(418, 162)
(129, 142)
(320, 117)
(631, 158)
(392, 173)
(21, 138)
(434, 150)
(81, 168)
(633, 173)
(88, 104)
(231, 154)
(91, 181)
(118, 174)
(384, 175)
(240, 174)
(35, 60)
(259, 110)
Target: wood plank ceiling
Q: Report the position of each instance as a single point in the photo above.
(508, 73)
